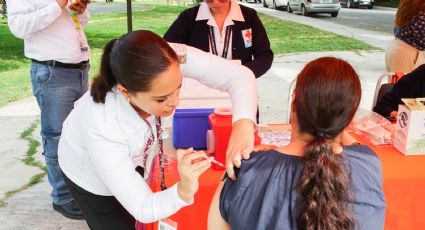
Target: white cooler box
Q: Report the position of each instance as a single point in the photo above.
(194, 95)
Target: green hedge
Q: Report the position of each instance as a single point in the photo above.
(389, 3)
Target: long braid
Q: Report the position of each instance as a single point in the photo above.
(324, 187)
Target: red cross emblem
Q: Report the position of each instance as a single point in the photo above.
(247, 37)
(248, 34)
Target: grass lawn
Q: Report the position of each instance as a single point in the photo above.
(285, 37)
(389, 3)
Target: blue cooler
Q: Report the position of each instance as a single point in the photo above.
(190, 128)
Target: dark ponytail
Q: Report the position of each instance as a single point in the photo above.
(105, 81)
(327, 96)
(324, 189)
(133, 61)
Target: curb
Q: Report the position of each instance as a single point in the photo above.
(385, 8)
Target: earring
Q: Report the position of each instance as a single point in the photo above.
(128, 99)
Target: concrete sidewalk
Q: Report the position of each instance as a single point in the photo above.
(32, 208)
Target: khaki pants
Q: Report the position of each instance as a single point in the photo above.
(403, 57)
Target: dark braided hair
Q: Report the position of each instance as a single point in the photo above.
(327, 95)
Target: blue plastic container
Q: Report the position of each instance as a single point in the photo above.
(190, 128)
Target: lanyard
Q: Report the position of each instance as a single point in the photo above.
(226, 41)
(149, 144)
(75, 19)
(82, 40)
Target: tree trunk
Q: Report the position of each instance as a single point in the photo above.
(3, 9)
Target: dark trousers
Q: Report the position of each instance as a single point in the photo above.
(101, 212)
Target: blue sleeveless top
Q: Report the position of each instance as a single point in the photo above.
(264, 195)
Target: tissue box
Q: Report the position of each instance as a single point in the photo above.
(409, 136)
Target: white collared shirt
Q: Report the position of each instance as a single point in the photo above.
(48, 31)
(235, 14)
(101, 144)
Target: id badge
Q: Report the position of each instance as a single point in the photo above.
(83, 42)
(167, 224)
(247, 37)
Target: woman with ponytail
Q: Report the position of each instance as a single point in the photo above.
(111, 137)
(322, 180)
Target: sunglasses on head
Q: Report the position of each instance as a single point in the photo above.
(210, 1)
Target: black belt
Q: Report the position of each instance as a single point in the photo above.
(80, 65)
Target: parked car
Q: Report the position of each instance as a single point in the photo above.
(358, 3)
(306, 7)
(276, 4)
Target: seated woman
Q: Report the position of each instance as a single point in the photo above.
(407, 51)
(412, 85)
(323, 179)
